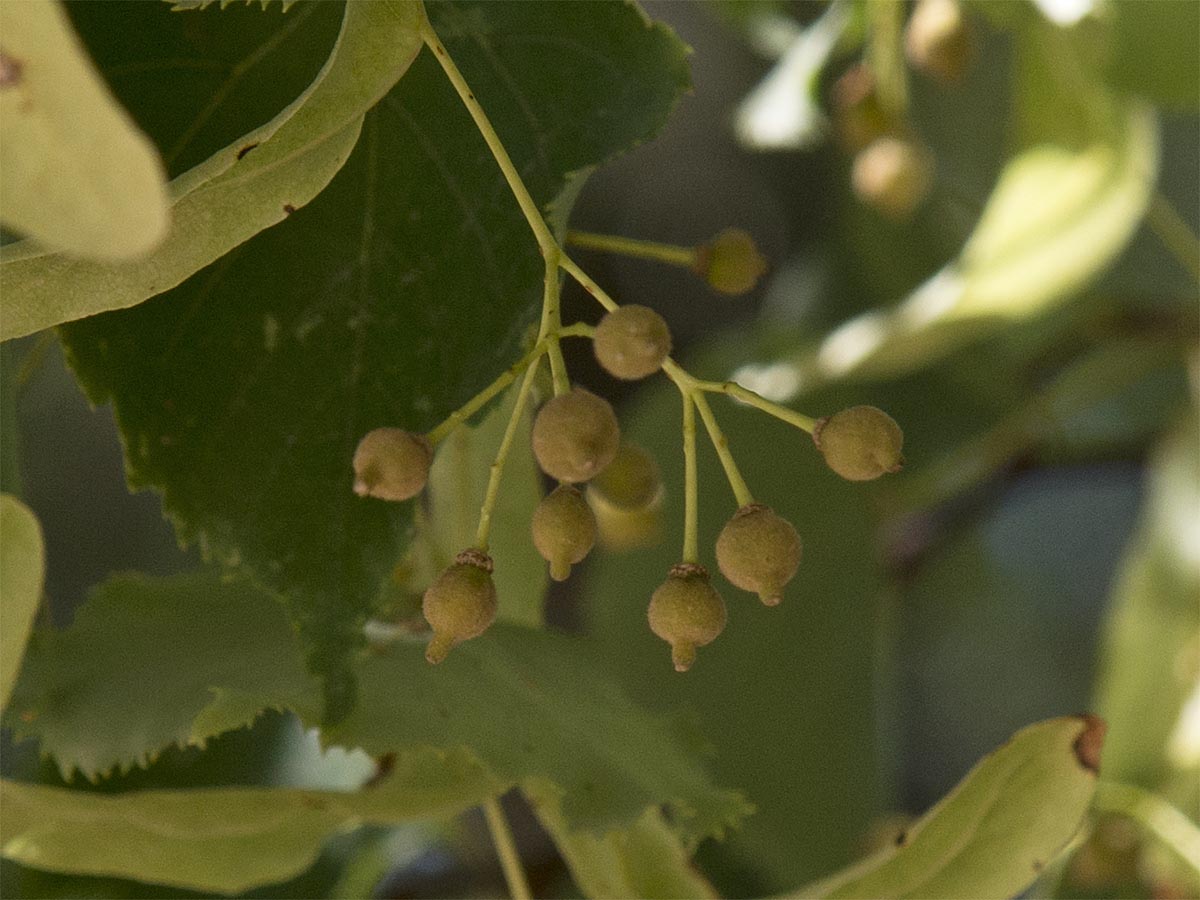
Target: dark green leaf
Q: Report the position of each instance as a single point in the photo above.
(1156, 51)
(22, 568)
(405, 287)
(150, 662)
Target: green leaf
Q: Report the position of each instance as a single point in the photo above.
(150, 662)
(1063, 208)
(248, 185)
(22, 568)
(992, 834)
(75, 172)
(1148, 672)
(397, 294)
(1156, 51)
(457, 484)
(222, 840)
(645, 859)
(537, 706)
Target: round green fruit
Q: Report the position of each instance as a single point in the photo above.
(564, 530)
(759, 551)
(460, 604)
(632, 342)
(730, 262)
(391, 464)
(686, 612)
(860, 443)
(575, 436)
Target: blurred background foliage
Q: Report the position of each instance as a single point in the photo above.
(1039, 555)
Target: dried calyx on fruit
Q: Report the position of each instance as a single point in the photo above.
(564, 530)
(686, 612)
(759, 551)
(575, 436)
(730, 262)
(631, 342)
(460, 604)
(860, 443)
(391, 464)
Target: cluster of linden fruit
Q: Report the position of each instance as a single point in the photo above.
(892, 169)
(576, 440)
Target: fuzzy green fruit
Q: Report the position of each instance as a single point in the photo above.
(460, 604)
(632, 342)
(631, 482)
(730, 262)
(575, 436)
(391, 464)
(686, 612)
(759, 551)
(860, 443)
(564, 530)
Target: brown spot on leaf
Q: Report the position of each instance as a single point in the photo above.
(10, 70)
(1090, 742)
(383, 768)
(1038, 865)
(246, 149)
(288, 208)
(902, 839)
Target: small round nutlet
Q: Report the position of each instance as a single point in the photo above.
(460, 604)
(759, 551)
(893, 175)
(631, 482)
(631, 342)
(391, 464)
(860, 443)
(564, 530)
(938, 39)
(575, 436)
(730, 262)
(686, 612)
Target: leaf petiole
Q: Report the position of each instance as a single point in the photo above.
(506, 849)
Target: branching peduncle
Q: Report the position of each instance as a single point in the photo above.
(638, 249)
(497, 470)
(691, 516)
(740, 491)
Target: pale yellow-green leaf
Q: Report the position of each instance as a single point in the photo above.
(995, 831)
(1063, 208)
(222, 840)
(247, 186)
(22, 567)
(1149, 684)
(645, 859)
(76, 174)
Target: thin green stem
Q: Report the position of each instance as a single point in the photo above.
(740, 491)
(506, 850)
(476, 403)
(638, 249)
(493, 488)
(691, 517)
(886, 54)
(1175, 233)
(529, 208)
(552, 321)
(747, 396)
(1171, 827)
(587, 282)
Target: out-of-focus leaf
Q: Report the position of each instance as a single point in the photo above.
(222, 840)
(1149, 684)
(538, 706)
(403, 289)
(645, 859)
(251, 184)
(997, 829)
(22, 568)
(152, 662)
(457, 484)
(1063, 208)
(1156, 51)
(76, 174)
